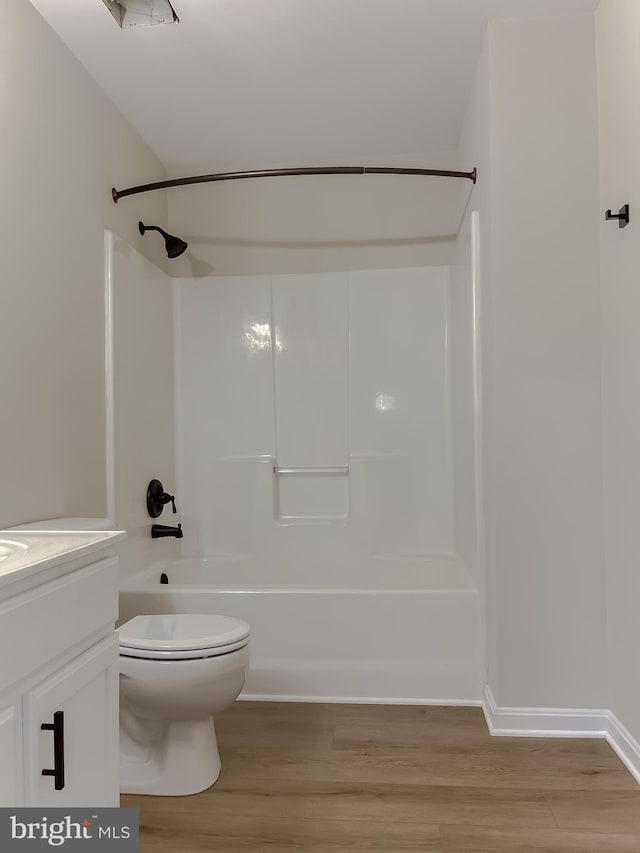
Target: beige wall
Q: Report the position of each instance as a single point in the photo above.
(617, 30)
(542, 366)
(321, 224)
(62, 146)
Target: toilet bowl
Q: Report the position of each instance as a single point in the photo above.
(176, 671)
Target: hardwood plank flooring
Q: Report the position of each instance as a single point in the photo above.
(469, 840)
(392, 778)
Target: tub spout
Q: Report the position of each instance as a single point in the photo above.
(159, 531)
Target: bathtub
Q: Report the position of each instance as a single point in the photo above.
(410, 635)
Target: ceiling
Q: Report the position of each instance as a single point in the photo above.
(255, 83)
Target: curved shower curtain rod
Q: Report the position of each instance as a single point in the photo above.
(277, 173)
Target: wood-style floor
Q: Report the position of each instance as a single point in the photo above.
(395, 778)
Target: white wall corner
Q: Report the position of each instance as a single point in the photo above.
(625, 745)
(563, 722)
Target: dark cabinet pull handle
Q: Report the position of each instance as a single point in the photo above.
(57, 727)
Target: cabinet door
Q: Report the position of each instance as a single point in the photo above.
(78, 705)
(10, 756)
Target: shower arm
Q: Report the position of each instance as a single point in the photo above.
(278, 173)
(142, 228)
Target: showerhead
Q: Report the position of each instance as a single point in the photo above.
(174, 245)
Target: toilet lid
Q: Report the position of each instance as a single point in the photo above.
(176, 632)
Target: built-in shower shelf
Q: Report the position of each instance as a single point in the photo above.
(277, 470)
(309, 495)
(311, 521)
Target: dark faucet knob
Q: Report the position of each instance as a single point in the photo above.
(157, 499)
(164, 499)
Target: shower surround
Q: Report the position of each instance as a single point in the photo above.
(317, 479)
(314, 435)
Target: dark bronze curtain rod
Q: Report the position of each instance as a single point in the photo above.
(277, 173)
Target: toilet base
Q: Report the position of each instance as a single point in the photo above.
(183, 759)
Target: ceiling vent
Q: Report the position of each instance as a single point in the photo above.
(141, 13)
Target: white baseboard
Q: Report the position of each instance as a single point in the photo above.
(563, 722)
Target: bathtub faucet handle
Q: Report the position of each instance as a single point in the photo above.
(157, 499)
(165, 498)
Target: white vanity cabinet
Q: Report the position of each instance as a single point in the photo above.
(59, 686)
(80, 749)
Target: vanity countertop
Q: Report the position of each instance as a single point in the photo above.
(24, 553)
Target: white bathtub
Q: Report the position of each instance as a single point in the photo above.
(410, 635)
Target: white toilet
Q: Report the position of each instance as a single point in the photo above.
(176, 671)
